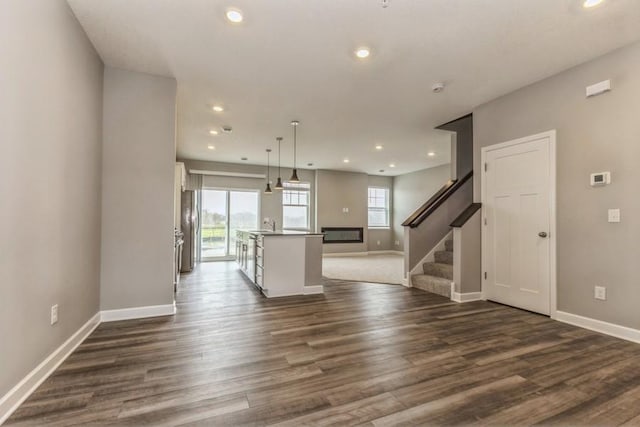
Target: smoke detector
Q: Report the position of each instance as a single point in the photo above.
(385, 3)
(437, 87)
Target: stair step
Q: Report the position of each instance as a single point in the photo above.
(435, 285)
(444, 257)
(448, 245)
(438, 269)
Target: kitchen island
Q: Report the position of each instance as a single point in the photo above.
(281, 263)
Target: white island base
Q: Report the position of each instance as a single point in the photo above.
(286, 263)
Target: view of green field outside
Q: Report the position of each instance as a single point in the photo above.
(242, 213)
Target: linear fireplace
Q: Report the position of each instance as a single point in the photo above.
(342, 234)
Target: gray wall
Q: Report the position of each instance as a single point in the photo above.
(137, 190)
(270, 205)
(347, 183)
(337, 190)
(421, 240)
(51, 113)
(375, 235)
(593, 135)
(467, 258)
(410, 191)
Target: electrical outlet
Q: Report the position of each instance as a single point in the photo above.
(54, 314)
(378, 242)
(614, 215)
(600, 292)
(397, 242)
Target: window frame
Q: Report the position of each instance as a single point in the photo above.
(293, 188)
(386, 209)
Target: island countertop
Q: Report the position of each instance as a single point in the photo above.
(288, 264)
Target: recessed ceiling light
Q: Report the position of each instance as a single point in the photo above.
(379, 147)
(591, 3)
(218, 108)
(227, 129)
(363, 52)
(309, 164)
(431, 154)
(234, 15)
(381, 170)
(213, 132)
(392, 165)
(211, 147)
(346, 160)
(244, 159)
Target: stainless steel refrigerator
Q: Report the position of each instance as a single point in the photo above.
(190, 225)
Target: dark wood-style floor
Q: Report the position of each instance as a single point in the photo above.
(360, 354)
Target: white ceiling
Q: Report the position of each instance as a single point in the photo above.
(293, 59)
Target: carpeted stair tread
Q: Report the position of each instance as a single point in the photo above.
(435, 285)
(448, 245)
(438, 270)
(444, 257)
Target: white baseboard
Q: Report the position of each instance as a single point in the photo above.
(468, 297)
(388, 252)
(342, 254)
(314, 289)
(18, 394)
(138, 312)
(363, 253)
(607, 328)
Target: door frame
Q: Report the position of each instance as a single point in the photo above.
(551, 134)
(228, 248)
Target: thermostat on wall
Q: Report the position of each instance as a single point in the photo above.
(600, 178)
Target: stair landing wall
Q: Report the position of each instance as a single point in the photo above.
(421, 240)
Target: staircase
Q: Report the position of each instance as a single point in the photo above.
(438, 275)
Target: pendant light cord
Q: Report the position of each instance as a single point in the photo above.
(295, 143)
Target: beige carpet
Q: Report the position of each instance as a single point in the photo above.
(388, 268)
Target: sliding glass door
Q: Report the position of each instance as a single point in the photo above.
(224, 212)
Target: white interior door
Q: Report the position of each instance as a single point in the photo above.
(519, 232)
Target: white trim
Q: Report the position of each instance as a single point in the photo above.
(552, 210)
(138, 312)
(430, 257)
(388, 252)
(224, 173)
(18, 394)
(344, 254)
(313, 289)
(364, 253)
(468, 297)
(607, 328)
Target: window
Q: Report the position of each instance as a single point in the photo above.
(378, 207)
(295, 205)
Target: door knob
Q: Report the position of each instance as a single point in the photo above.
(542, 234)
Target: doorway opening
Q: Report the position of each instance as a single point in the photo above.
(222, 213)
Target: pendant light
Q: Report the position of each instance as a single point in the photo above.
(268, 189)
(294, 175)
(279, 182)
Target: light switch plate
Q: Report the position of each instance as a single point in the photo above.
(600, 292)
(614, 215)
